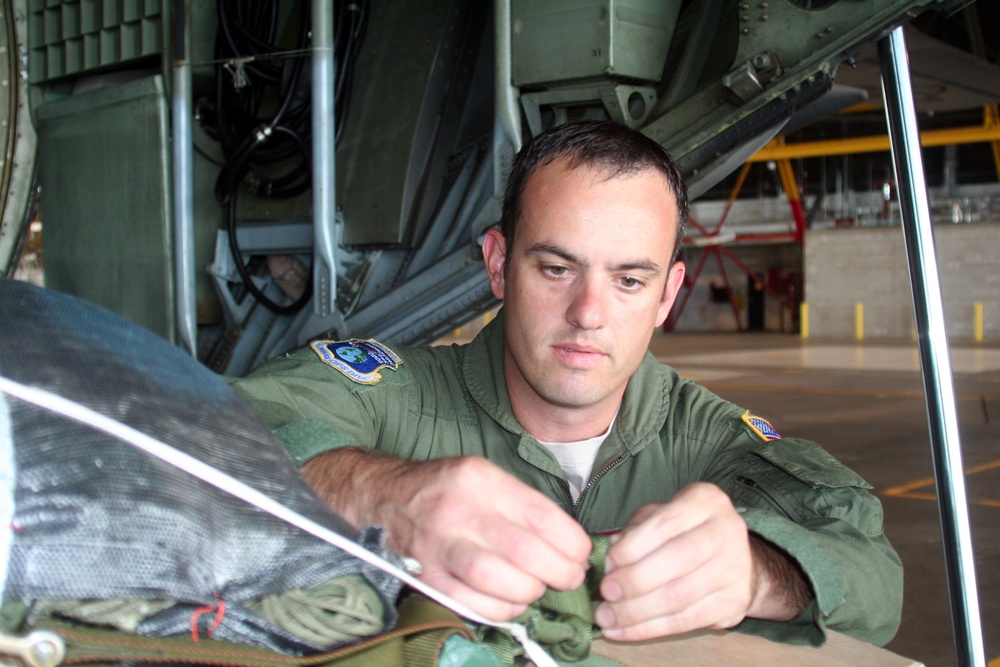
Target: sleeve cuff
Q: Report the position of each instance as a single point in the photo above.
(307, 438)
(823, 576)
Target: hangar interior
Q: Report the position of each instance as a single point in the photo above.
(136, 178)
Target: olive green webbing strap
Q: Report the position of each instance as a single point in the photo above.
(422, 629)
(561, 621)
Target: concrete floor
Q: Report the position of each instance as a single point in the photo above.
(864, 402)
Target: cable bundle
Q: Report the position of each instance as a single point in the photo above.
(262, 111)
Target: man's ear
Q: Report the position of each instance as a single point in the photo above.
(495, 257)
(675, 278)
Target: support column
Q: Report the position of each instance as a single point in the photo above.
(181, 114)
(324, 182)
(932, 342)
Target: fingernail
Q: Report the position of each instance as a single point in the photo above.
(611, 591)
(604, 616)
(609, 564)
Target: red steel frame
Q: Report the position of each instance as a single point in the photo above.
(718, 250)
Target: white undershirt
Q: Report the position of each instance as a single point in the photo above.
(577, 459)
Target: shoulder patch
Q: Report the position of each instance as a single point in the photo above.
(359, 360)
(761, 427)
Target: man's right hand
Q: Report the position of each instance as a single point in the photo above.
(482, 536)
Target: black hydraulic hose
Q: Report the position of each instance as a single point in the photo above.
(263, 299)
(229, 201)
(246, 44)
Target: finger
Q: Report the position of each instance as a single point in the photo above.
(651, 526)
(662, 564)
(540, 540)
(526, 511)
(534, 555)
(489, 607)
(694, 508)
(712, 612)
(539, 516)
(490, 574)
(684, 593)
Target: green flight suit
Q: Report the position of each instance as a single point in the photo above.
(451, 401)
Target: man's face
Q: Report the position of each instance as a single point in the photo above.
(587, 281)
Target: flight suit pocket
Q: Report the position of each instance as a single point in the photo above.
(804, 482)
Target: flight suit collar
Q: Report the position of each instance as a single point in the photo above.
(483, 372)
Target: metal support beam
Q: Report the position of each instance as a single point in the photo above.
(324, 184)
(932, 342)
(183, 182)
(787, 175)
(775, 150)
(991, 119)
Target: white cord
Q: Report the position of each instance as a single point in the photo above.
(233, 486)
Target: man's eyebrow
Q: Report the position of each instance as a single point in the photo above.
(637, 265)
(547, 249)
(643, 265)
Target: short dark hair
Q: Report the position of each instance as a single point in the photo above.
(609, 146)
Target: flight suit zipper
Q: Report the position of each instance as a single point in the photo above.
(766, 495)
(576, 505)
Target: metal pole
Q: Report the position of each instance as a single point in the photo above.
(183, 182)
(324, 185)
(935, 363)
(507, 121)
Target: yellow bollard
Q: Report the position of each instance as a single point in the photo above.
(978, 328)
(859, 321)
(804, 320)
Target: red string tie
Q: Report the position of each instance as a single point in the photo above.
(220, 610)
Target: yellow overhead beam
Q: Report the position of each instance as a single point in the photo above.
(776, 150)
(991, 118)
(862, 107)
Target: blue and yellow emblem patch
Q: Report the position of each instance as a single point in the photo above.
(359, 360)
(761, 427)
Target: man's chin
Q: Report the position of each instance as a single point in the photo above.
(567, 396)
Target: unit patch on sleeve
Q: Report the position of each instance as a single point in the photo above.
(761, 427)
(360, 360)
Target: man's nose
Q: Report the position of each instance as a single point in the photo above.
(588, 309)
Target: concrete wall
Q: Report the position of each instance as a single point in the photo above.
(868, 265)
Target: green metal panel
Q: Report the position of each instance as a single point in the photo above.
(570, 40)
(71, 37)
(104, 170)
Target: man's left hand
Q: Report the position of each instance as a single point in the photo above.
(690, 563)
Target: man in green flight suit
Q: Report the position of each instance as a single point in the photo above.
(492, 463)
